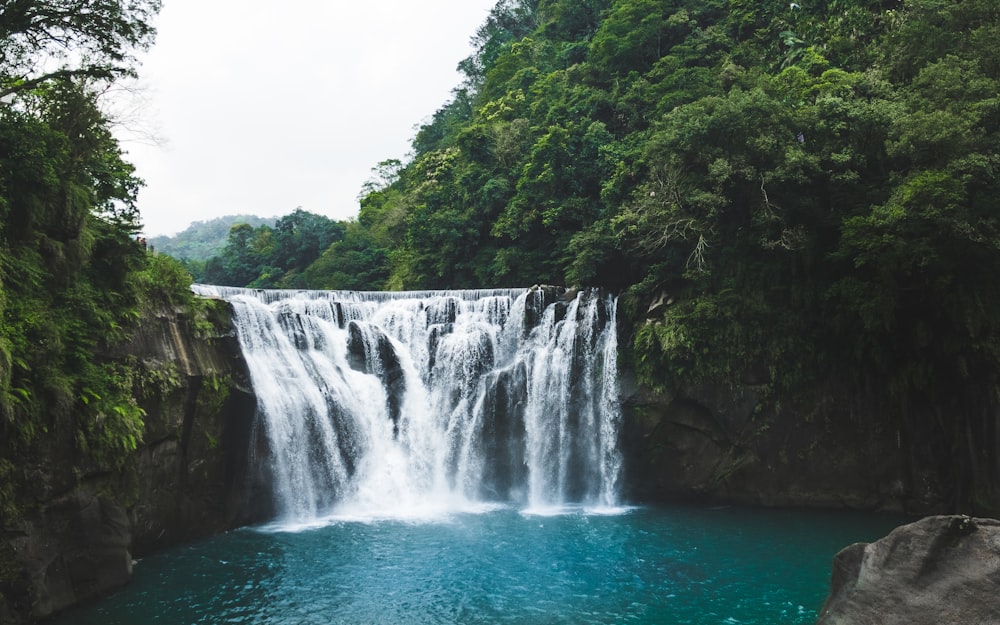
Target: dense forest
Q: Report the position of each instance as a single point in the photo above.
(73, 277)
(202, 240)
(781, 192)
(250, 251)
(299, 250)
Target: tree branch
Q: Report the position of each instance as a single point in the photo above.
(31, 83)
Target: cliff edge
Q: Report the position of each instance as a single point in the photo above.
(79, 530)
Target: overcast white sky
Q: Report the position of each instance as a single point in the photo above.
(262, 106)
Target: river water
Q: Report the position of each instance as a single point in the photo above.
(655, 565)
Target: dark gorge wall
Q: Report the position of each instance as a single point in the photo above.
(79, 530)
(720, 443)
(825, 447)
(193, 472)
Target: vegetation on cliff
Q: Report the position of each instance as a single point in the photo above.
(73, 278)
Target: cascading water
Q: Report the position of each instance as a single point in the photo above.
(402, 404)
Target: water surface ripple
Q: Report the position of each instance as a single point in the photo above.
(670, 565)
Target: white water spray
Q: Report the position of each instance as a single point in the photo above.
(416, 404)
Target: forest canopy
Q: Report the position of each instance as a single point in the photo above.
(779, 190)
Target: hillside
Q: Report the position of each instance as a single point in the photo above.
(74, 282)
(204, 239)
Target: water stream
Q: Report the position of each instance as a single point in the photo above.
(408, 405)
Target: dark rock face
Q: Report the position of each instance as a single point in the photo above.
(540, 298)
(194, 473)
(370, 350)
(190, 477)
(825, 449)
(76, 549)
(444, 311)
(504, 434)
(942, 569)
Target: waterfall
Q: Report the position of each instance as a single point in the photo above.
(427, 402)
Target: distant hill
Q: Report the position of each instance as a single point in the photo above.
(204, 239)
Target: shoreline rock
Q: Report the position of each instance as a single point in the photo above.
(940, 569)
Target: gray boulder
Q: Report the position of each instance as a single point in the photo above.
(939, 570)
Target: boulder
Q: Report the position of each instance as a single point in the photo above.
(942, 569)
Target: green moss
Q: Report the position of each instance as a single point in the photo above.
(8, 504)
(214, 393)
(11, 570)
(210, 318)
(153, 380)
(213, 442)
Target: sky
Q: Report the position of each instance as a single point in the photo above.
(263, 106)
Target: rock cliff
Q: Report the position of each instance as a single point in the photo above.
(822, 449)
(77, 536)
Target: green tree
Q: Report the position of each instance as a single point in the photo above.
(301, 237)
(354, 263)
(68, 257)
(48, 40)
(240, 263)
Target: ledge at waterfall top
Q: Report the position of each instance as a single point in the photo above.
(417, 404)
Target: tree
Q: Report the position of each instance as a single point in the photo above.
(354, 263)
(68, 259)
(242, 262)
(301, 237)
(42, 41)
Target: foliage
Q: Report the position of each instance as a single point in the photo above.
(162, 283)
(73, 279)
(353, 263)
(202, 239)
(110, 423)
(783, 191)
(47, 40)
(266, 257)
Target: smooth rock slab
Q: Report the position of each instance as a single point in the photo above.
(936, 571)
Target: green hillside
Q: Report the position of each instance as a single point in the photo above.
(73, 279)
(204, 239)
